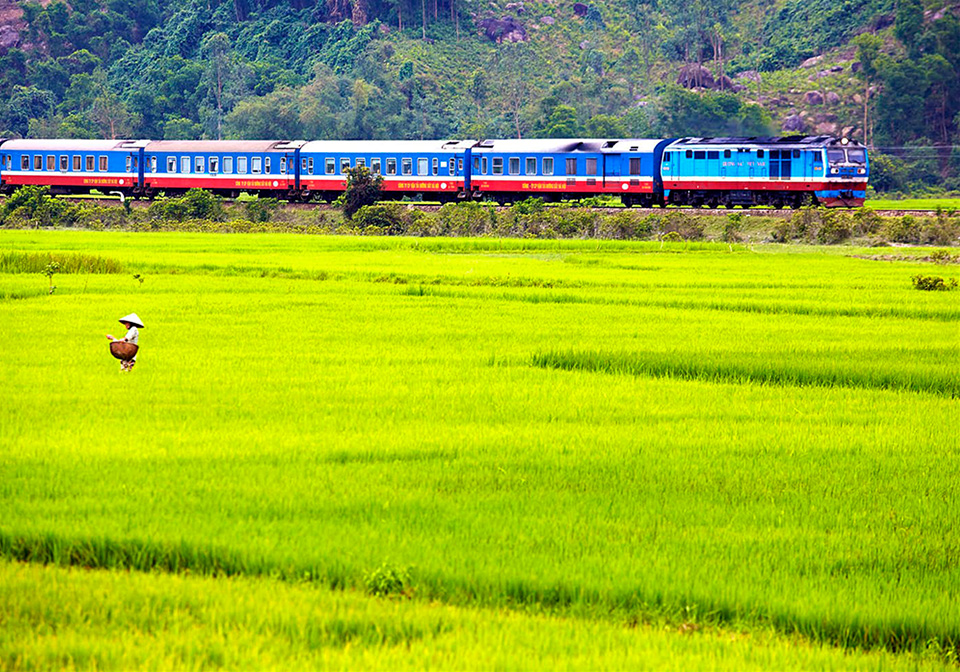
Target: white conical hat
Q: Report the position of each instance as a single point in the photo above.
(132, 319)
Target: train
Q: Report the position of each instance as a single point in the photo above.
(777, 172)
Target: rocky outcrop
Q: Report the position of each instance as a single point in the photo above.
(832, 98)
(579, 9)
(504, 29)
(694, 76)
(813, 98)
(793, 124)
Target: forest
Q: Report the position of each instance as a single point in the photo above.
(409, 69)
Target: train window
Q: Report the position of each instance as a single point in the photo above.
(498, 165)
(436, 166)
(375, 166)
(689, 154)
(406, 166)
(485, 165)
(726, 153)
(423, 166)
(636, 167)
(531, 166)
(459, 165)
(796, 153)
(153, 164)
(699, 154)
(129, 163)
(476, 164)
(256, 165)
(330, 165)
(64, 163)
(514, 165)
(774, 154)
(266, 164)
(818, 157)
(310, 166)
(759, 153)
(103, 164)
(713, 155)
(198, 165)
(185, 164)
(344, 166)
(227, 165)
(241, 165)
(856, 156)
(38, 162)
(571, 166)
(51, 162)
(391, 166)
(361, 162)
(76, 163)
(171, 164)
(548, 165)
(591, 166)
(214, 165)
(24, 162)
(303, 165)
(88, 163)
(666, 157)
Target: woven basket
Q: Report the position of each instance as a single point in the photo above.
(123, 350)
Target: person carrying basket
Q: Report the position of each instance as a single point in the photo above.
(125, 349)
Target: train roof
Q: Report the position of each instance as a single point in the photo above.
(200, 146)
(58, 145)
(384, 146)
(792, 141)
(567, 145)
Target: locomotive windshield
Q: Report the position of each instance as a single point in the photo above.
(856, 156)
(835, 156)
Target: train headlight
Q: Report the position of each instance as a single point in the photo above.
(835, 171)
(862, 171)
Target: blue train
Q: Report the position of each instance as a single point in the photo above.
(699, 172)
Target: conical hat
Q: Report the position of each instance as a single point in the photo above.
(132, 319)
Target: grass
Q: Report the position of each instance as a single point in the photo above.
(757, 440)
(946, 204)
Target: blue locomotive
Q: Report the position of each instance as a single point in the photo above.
(699, 172)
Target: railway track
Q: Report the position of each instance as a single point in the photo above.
(433, 207)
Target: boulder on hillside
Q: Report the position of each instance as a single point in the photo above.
(832, 98)
(516, 7)
(813, 98)
(810, 62)
(694, 76)
(547, 20)
(504, 29)
(826, 128)
(856, 67)
(9, 37)
(793, 124)
(750, 75)
(579, 9)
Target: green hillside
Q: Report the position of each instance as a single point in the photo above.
(319, 69)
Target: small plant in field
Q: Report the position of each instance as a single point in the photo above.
(941, 257)
(388, 581)
(933, 283)
(138, 278)
(52, 269)
(732, 227)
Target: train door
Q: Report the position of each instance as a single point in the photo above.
(612, 167)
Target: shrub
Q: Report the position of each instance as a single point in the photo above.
(904, 229)
(685, 226)
(940, 231)
(363, 188)
(261, 209)
(625, 225)
(33, 206)
(467, 218)
(866, 222)
(391, 219)
(933, 283)
(783, 231)
(195, 204)
(835, 227)
(387, 581)
(732, 227)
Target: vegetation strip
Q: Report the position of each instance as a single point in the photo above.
(727, 369)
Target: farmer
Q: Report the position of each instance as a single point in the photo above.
(133, 325)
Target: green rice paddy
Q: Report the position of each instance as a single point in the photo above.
(573, 451)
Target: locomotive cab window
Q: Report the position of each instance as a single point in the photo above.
(818, 157)
(856, 156)
(330, 165)
(726, 153)
(514, 165)
(391, 166)
(666, 157)
(591, 166)
(256, 165)
(406, 166)
(571, 166)
(835, 156)
(759, 153)
(699, 154)
(227, 165)
(636, 167)
(498, 165)
(531, 166)
(796, 153)
(689, 154)
(713, 155)
(548, 165)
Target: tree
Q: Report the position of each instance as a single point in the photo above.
(562, 123)
(868, 50)
(606, 126)
(217, 52)
(363, 188)
(908, 25)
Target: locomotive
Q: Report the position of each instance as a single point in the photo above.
(699, 172)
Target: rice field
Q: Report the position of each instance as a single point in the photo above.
(576, 454)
